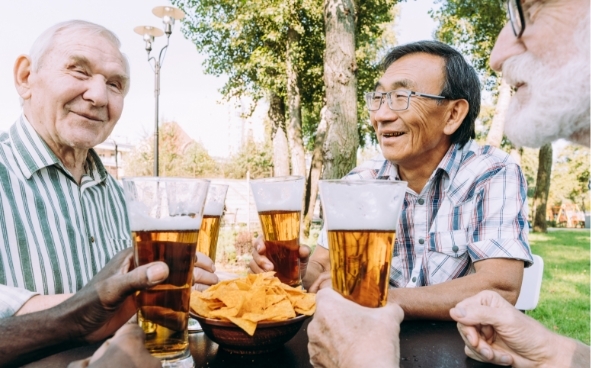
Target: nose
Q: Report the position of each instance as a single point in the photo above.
(507, 45)
(383, 115)
(96, 92)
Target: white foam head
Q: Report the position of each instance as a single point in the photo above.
(361, 204)
(216, 197)
(278, 194)
(165, 203)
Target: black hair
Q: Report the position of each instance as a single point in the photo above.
(460, 80)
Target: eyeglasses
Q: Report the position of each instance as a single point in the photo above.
(516, 16)
(398, 99)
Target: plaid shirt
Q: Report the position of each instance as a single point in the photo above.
(473, 207)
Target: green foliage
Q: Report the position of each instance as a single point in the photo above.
(246, 41)
(564, 298)
(254, 157)
(472, 27)
(570, 176)
(178, 154)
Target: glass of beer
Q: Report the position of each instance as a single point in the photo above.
(360, 218)
(212, 217)
(279, 204)
(210, 229)
(165, 216)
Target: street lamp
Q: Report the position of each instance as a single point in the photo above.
(168, 14)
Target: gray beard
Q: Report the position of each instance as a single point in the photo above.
(557, 101)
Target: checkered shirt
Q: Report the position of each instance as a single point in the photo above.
(473, 207)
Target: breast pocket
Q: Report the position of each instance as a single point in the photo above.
(447, 256)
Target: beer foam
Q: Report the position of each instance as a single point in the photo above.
(278, 195)
(213, 208)
(361, 205)
(139, 220)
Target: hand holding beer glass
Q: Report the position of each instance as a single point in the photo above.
(361, 219)
(279, 204)
(165, 216)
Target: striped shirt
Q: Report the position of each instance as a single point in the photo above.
(473, 207)
(55, 234)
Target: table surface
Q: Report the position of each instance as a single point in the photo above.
(423, 344)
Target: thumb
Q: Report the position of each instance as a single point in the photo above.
(142, 277)
(472, 315)
(304, 253)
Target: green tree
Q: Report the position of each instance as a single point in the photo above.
(570, 176)
(253, 156)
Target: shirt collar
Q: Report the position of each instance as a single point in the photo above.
(449, 164)
(33, 154)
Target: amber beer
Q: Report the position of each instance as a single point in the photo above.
(208, 235)
(165, 216)
(279, 204)
(281, 230)
(360, 220)
(360, 265)
(164, 309)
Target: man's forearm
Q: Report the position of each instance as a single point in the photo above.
(41, 302)
(435, 301)
(313, 271)
(26, 334)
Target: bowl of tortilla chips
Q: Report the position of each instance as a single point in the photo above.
(252, 315)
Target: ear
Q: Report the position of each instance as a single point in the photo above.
(456, 112)
(22, 76)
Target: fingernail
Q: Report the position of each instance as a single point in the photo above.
(157, 273)
(461, 312)
(485, 352)
(505, 359)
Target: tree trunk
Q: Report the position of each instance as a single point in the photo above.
(315, 173)
(340, 81)
(280, 149)
(542, 188)
(294, 106)
(495, 134)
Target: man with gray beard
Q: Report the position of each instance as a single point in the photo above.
(543, 53)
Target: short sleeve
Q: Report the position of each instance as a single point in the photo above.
(500, 218)
(12, 299)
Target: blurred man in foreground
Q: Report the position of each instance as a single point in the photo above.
(544, 53)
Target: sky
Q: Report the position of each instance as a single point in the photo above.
(187, 96)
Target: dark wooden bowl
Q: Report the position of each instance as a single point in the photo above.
(268, 336)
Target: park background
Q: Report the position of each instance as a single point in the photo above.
(229, 110)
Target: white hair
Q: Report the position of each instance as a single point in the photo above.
(44, 43)
(558, 94)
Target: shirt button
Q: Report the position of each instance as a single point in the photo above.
(92, 239)
(414, 279)
(455, 248)
(421, 241)
(421, 201)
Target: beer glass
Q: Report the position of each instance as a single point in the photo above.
(165, 216)
(210, 229)
(279, 204)
(212, 216)
(360, 218)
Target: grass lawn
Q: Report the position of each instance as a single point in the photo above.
(564, 299)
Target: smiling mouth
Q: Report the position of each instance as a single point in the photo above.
(89, 117)
(393, 134)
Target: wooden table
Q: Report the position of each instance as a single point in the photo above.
(423, 344)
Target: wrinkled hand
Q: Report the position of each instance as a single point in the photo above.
(344, 334)
(203, 273)
(495, 331)
(260, 263)
(102, 306)
(125, 349)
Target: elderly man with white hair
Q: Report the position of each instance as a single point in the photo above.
(543, 53)
(62, 216)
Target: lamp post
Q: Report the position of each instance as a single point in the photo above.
(168, 14)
